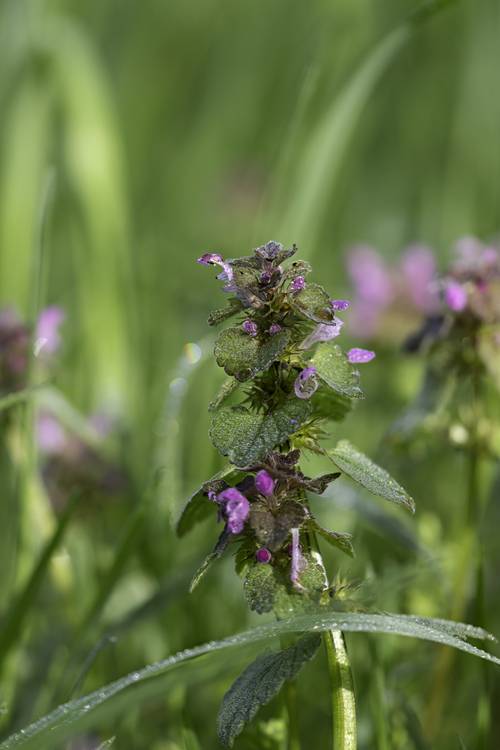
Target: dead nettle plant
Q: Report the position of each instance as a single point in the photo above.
(290, 378)
(459, 406)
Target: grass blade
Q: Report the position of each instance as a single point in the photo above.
(120, 695)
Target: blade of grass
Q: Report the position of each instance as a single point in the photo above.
(12, 628)
(128, 691)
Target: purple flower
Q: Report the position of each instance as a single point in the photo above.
(50, 435)
(298, 284)
(322, 332)
(236, 509)
(211, 259)
(306, 383)
(370, 276)
(265, 277)
(274, 329)
(264, 483)
(455, 296)
(250, 327)
(298, 562)
(270, 250)
(418, 268)
(263, 555)
(359, 356)
(47, 338)
(340, 304)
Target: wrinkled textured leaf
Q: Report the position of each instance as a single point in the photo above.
(217, 552)
(233, 307)
(261, 587)
(272, 530)
(365, 472)
(244, 356)
(246, 437)
(313, 302)
(259, 683)
(319, 485)
(340, 540)
(199, 507)
(268, 588)
(331, 404)
(227, 388)
(335, 371)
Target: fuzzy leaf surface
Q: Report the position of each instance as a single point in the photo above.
(368, 474)
(313, 302)
(335, 371)
(259, 683)
(244, 356)
(245, 437)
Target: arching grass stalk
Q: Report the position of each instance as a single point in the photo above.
(287, 378)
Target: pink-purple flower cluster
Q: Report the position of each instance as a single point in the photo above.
(389, 297)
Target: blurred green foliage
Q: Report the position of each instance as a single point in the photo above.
(134, 137)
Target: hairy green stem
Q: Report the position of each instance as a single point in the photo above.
(343, 700)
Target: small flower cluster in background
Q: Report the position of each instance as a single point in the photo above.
(67, 459)
(18, 344)
(390, 300)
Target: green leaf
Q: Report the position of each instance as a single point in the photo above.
(228, 387)
(130, 691)
(313, 302)
(331, 404)
(246, 437)
(272, 530)
(368, 474)
(340, 540)
(259, 683)
(268, 587)
(218, 316)
(199, 507)
(335, 371)
(217, 552)
(244, 356)
(262, 586)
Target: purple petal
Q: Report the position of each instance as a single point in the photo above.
(298, 562)
(250, 327)
(340, 304)
(455, 296)
(306, 383)
(418, 268)
(298, 284)
(359, 356)
(50, 434)
(370, 276)
(270, 250)
(209, 259)
(264, 483)
(263, 555)
(236, 509)
(274, 329)
(322, 332)
(47, 335)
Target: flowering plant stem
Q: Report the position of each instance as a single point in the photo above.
(342, 685)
